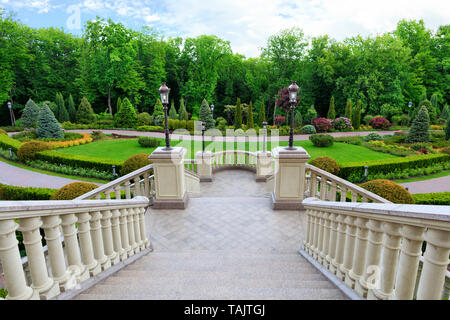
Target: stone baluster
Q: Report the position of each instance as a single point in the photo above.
(41, 282)
(124, 235)
(320, 254)
(349, 250)
(435, 264)
(326, 239)
(408, 262)
(333, 190)
(313, 190)
(137, 230)
(354, 196)
(127, 190)
(98, 196)
(97, 240)
(107, 236)
(315, 247)
(131, 232)
(137, 186)
(86, 248)
(117, 241)
(76, 267)
(12, 264)
(343, 194)
(389, 260)
(323, 188)
(147, 184)
(60, 273)
(340, 245)
(332, 243)
(117, 192)
(108, 194)
(364, 199)
(142, 227)
(359, 257)
(307, 241)
(371, 265)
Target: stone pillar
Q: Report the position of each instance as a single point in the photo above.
(170, 188)
(204, 168)
(340, 245)
(359, 257)
(97, 240)
(137, 229)
(131, 233)
(107, 235)
(263, 166)
(86, 248)
(142, 227)
(124, 235)
(349, 250)
(115, 229)
(289, 188)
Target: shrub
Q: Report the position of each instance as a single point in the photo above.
(322, 124)
(97, 135)
(331, 109)
(85, 138)
(419, 129)
(126, 117)
(250, 120)
(73, 190)
(61, 112)
(48, 126)
(189, 125)
(14, 193)
(158, 120)
(379, 123)
(348, 109)
(173, 112)
(419, 145)
(3, 132)
(372, 137)
(183, 113)
(7, 142)
(389, 111)
(261, 114)
(355, 140)
(135, 162)
(389, 190)
(326, 163)
(30, 114)
(71, 109)
(367, 119)
(308, 129)
(158, 109)
(298, 120)
(238, 115)
(85, 114)
(144, 119)
(150, 128)
(437, 198)
(148, 142)
(447, 129)
(206, 115)
(28, 150)
(279, 120)
(342, 123)
(445, 150)
(310, 115)
(321, 140)
(356, 117)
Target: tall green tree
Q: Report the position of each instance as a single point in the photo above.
(85, 114)
(356, 117)
(61, 112)
(183, 112)
(173, 111)
(48, 126)
(348, 110)
(71, 108)
(30, 114)
(238, 115)
(331, 110)
(419, 131)
(205, 114)
(261, 114)
(126, 117)
(250, 121)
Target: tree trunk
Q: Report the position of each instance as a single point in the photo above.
(109, 101)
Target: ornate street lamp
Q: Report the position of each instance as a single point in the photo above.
(203, 135)
(264, 135)
(409, 107)
(10, 113)
(164, 93)
(212, 113)
(293, 91)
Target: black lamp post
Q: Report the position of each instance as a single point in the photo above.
(164, 93)
(293, 91)
(212, 113)
(264, 135)
(203, 135)
(10, 112)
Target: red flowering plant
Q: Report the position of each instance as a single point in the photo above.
(322, 124)
(279, 120)
(379, 123)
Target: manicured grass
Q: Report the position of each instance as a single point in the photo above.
(122, 149)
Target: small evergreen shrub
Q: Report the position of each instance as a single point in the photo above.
(73, 190)
(322, 124)
(298, 120)
(419, 131)
(126, 117)
(379, 123)
(148, 142)
(326, 163)
(331, 109)
(310, 115)
(28, 150)
(308, 129)
(71, 109)
(85, 114)
(356, 117)
(61, 112)
(373, 137)
(144, 119)
(389, 190)
(173, 112)
(321, 140)
(158, 110)
(30, 114)
(135, 162)
(205, 114)
(48, 126)
(367, 119)
(437, 198)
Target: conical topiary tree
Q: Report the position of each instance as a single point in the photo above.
(85, 114)
(126, 117)
(298, 119)
(158, 109)
(119, 102)
(262, 113)
(419, 131)
(205, 114)
(48, 126)
(238, 115)
(173, 112)
(183, 112)
(30, 114)
(348, 110)
(445, 114)
(61, 112)
(250, 121)
(71, 109)
(331, 110)
(356, 117)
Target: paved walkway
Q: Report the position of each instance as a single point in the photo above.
(15, 176)
(427, 186)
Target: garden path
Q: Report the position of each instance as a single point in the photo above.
(427, 186)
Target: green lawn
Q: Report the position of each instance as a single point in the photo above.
(123, 149)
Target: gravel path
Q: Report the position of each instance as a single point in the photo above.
(427, 186)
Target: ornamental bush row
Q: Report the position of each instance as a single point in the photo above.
(437, 198)
(356, 169)
(13, 193)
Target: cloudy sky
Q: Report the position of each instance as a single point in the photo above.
(245, 23)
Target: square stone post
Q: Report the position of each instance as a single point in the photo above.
(204, 168)
(289, 186)
(170, 189)
(263, 166)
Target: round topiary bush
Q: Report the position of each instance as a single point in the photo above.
(135, 162)
(326, 163)
(379, 123)
(373, 137)
(73, 190)
(322, 124)
(308, 129)
(389, 190)
(321, 140)
(28, 150)
(148, 142)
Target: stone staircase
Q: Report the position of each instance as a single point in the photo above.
(213, 275)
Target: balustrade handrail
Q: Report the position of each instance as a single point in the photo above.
(114, 183)
(350, 186)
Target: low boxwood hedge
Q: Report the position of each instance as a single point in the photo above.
(437, 198)
(7, 142)
(14, 193)
(390, 165)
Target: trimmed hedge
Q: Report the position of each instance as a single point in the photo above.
(437, 198)
(6, 142)
(28, 150)
(134, 163)
(390, 165)
(14, 193)
(321, 140)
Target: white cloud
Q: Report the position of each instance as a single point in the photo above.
(42, 6)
